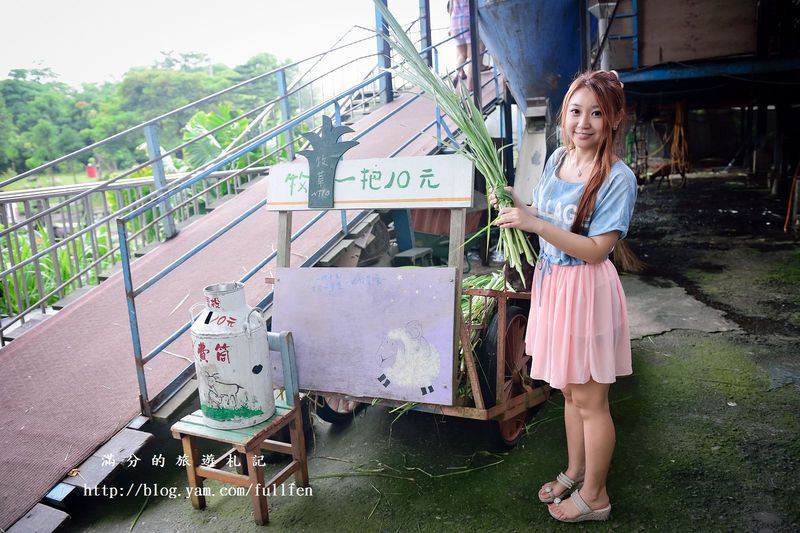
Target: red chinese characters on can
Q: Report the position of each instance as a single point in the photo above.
(212, 302)
(222, 352)
(202, 351)
(225, 320)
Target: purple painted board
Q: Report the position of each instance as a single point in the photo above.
(369, 332)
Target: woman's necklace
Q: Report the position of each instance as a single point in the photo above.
(579, 169)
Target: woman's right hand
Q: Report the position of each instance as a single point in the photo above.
(510, 190)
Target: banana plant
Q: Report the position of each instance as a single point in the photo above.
(209, 147)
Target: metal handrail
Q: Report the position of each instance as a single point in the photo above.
(268, 135)
(92, 226)
(158, 196)
(363, 133)
(200, 193)
(247, 147)
(85, 256)
(112, 250)
(58, 191)
(103, 186)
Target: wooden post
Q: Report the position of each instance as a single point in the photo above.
(257, 490)
(469, 359)
(458, 218)
(455, 256)
(195, 481)
(500, 377)
(284, 238)
(298, 444)
(242, 467)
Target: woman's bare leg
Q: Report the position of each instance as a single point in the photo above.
(484, 64)
(591, 401)
(461, 55)
(576, 454)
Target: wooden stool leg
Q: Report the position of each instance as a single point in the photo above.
(258, 492)
(299, 446)
(195, 481)
(242, 467)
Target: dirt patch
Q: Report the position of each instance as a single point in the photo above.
(724, 243)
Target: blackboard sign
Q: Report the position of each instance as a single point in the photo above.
(323, 158)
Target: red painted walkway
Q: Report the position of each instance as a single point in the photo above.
(70, 384)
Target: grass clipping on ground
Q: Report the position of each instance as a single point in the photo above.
(468, 118)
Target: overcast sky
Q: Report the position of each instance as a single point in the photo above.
(98, 40)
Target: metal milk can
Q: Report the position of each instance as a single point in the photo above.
(231, 358)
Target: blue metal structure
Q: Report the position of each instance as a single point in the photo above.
(740, 67)
(671, 71)
(634, 36)
(535, 44)
(384, 58)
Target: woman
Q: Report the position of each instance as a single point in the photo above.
(578, 327)
(459, 30)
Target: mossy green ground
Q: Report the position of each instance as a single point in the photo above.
(702, 444)
(708, 426)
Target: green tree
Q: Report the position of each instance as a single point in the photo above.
(39, 144)
(42, 119)
(260, 91)
(186, 62)
(102, 105)
(149, 93)
(8, 137)
(32, 103)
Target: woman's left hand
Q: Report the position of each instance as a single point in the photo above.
(514, 217)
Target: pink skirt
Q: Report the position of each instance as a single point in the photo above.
(578, 325)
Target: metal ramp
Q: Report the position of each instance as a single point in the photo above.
(71, 382)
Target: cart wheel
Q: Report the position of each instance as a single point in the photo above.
(518, 365)
(335, 409)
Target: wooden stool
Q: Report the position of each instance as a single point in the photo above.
(248, 442)
(414, 256)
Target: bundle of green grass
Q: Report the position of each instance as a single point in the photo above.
(478, 145)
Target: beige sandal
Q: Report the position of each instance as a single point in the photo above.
(565, 480)
(587, 513)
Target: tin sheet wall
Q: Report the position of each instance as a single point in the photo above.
(686, 30)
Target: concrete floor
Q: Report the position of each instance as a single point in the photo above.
(707, 427)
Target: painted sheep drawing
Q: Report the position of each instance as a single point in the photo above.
(408, 360)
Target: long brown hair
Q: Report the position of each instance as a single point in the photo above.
(607, 89)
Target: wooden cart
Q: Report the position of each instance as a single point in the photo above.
(503, 392)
